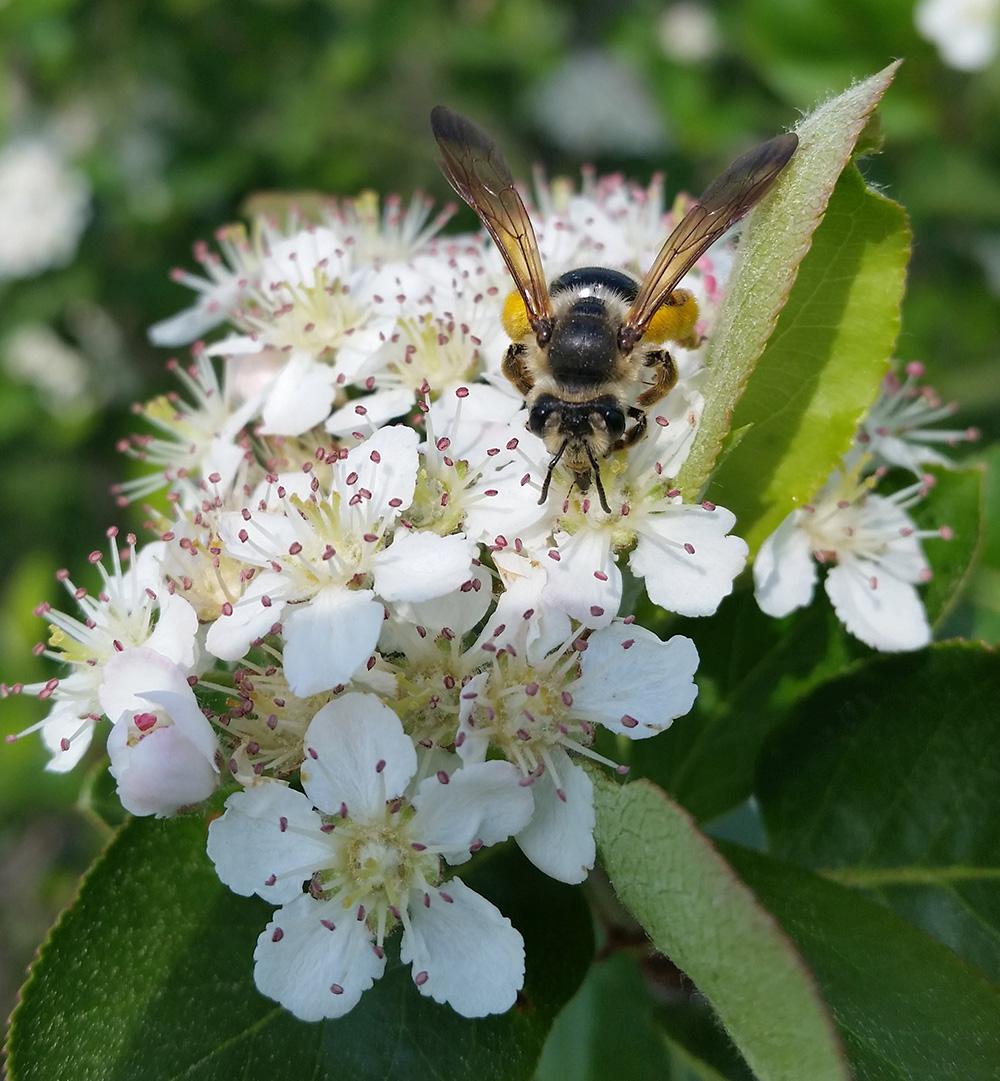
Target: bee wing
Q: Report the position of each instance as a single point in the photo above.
(476, 170)
(724, 202)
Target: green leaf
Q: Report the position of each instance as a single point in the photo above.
(582, 1044)
(888, 780)
(698, 913)
(98, 798)
(670, 1035)
(906, 1007)
(753, 669)
(957, 502)
(148, 975)
(775, 240)
(824, 363)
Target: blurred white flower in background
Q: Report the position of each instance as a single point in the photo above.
(44, 207)
(964, 31)
(594, 103)
(34, 353)
(689, 33)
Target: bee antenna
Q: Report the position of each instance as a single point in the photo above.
(597, 480)
(548, 474)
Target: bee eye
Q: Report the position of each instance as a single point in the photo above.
(613, 418)
(538, 418)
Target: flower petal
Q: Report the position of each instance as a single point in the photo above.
(559, 839)
(316, 959)
(463, 951)
(130, 675)
(482, 802)
(357, 755)
(531, 622)
(687, 559)
(173, 636)
(261, 538)
(889, 615)
(252, 617)
(480, 419)
(161, 773)
(784, 572)
(186, 716)
(268, 842)
(65, 722)
(328, 638)
(584, 581)
(471, 743)
(634, 683)
(421, 566)
(300, 398)
(377, 408)
(459, 610)
(378, 477)
(191, 323)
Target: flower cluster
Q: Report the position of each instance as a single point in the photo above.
(358, 615)
(869, 540)
(357, 612)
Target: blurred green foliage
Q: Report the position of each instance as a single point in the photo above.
(177, 109)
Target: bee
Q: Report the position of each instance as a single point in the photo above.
(583, 345)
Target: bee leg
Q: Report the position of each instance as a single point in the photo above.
(665, 378)
(516, 370)
(634, 434)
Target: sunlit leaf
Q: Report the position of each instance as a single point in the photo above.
(775, 241)
(699, 914)
(823, 364)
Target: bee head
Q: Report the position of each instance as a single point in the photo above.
(583, 432)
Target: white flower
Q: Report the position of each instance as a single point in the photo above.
(198, 445)
(230, 279)
(162, 748)
(964, 31)
(333, 561)
(897, 430)
(878, 560)
(536, 711)
(267, 728)
(683, 551)
(44, 206)
(472, 476)
(386, 235)
(327, 315)
(133, 608)
(370, 848)
(425, 354)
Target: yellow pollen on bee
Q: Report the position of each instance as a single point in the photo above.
(515, 316)
(675, 319)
